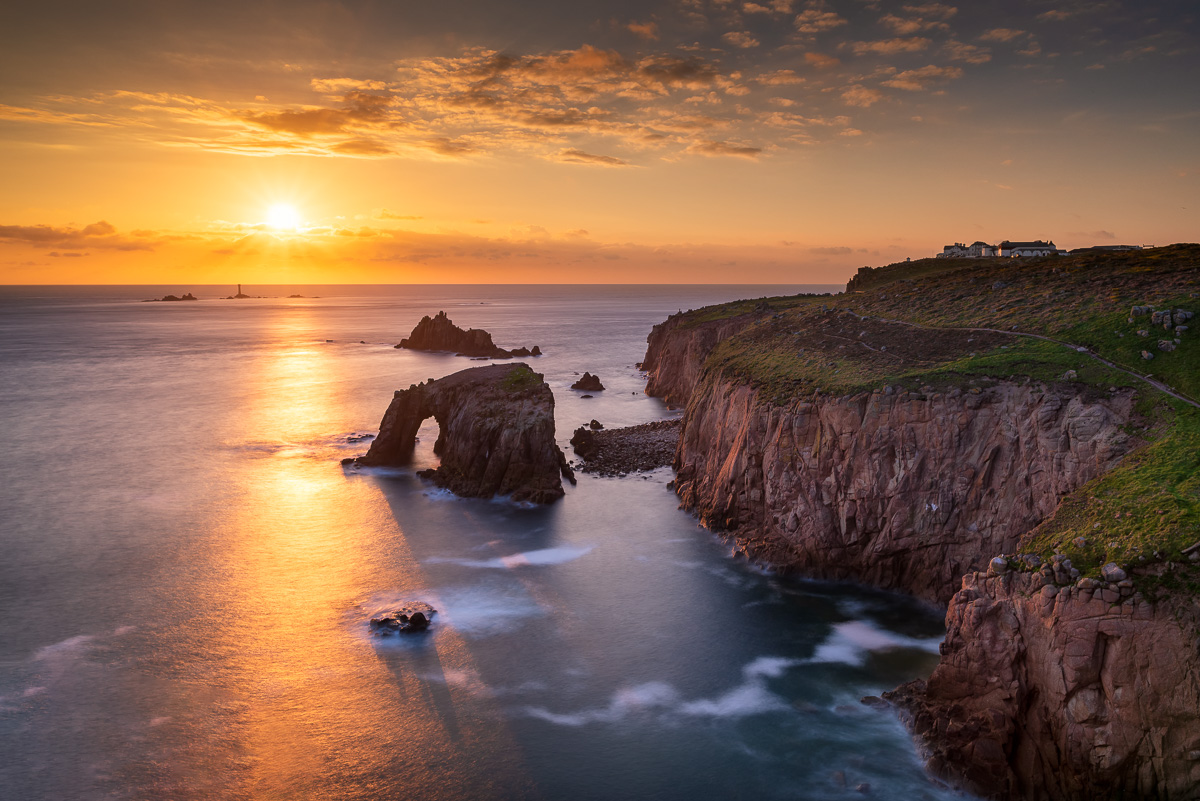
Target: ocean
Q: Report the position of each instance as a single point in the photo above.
(187, 572)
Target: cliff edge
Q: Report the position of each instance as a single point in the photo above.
(942, 413)
(496, 433)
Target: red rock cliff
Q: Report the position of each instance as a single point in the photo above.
(1065, 694)
(902, 490)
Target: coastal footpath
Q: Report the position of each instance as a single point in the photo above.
(906, 435)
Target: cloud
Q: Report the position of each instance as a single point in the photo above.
(1056, 15)
(939, 10)
(919, 79)
(960, 51)
(861, 96)
(890, 47)
(1002, 35)
(711, 148)
(644, 30)
(816, 19)
(1105, 236)
(574, 156)
(780, 78)
(821, 61)
(100, 234)
(740, 39)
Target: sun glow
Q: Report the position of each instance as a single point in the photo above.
(283, 217)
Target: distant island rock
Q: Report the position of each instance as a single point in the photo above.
(589, 383)
(441, 334)
(496, 433)
(171, 298)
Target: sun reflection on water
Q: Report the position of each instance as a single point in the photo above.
(329, 711)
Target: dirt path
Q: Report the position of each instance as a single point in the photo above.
(1160, 386)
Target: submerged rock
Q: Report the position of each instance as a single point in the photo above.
(496, 433)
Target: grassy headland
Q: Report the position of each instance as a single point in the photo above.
(907, 325)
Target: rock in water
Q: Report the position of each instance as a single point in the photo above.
(496, 433)
(412, 617)
(441, 334)
(589, 383)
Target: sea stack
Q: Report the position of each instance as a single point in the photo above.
(496, 433)
(441, 334)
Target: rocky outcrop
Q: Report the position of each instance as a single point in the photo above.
(904, 490)
(626, 450)
(496, 433)
(410, 618)
(1065, 693)
(676, 352)
(441, 334)
(589, 383)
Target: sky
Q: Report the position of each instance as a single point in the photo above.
(664, 141)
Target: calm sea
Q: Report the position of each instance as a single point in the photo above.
(187, 572)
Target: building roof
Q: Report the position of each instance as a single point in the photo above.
(1006, 245)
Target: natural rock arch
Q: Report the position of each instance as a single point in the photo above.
(496, 433)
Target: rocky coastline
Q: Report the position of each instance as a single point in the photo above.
(841, 446)
(619, 451)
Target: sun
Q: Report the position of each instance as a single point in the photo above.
(283, 217)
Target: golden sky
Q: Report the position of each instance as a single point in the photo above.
(697, 141)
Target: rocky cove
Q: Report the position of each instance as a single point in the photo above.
(1050, 686)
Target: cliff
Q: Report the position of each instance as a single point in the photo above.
(441, 334)
(940, 413)
(677, 348)
(496, 433)
(1066, 693)
(906, 490)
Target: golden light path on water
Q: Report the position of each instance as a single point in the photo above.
(331, 711)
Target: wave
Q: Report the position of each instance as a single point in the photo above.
(538, 558)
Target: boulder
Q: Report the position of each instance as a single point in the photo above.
(1112, 572)
(1166, 345)
(409, 618)
(496, 433)
(588, 383)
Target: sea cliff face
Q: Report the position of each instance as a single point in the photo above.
(904, 490)
(1067, 693)
(1043, 692)
(676, 352)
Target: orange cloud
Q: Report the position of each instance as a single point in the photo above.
(888, 47)
(919, 79)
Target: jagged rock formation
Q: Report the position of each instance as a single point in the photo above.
(589, 383)
(1065, 694)
(676, 352)
(441, 334)
(496, 433)
(904, 490)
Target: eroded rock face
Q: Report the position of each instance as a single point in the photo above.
(902, 490)
(676, 352)
(1068, 694)
(496, 433)
(441, 334)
